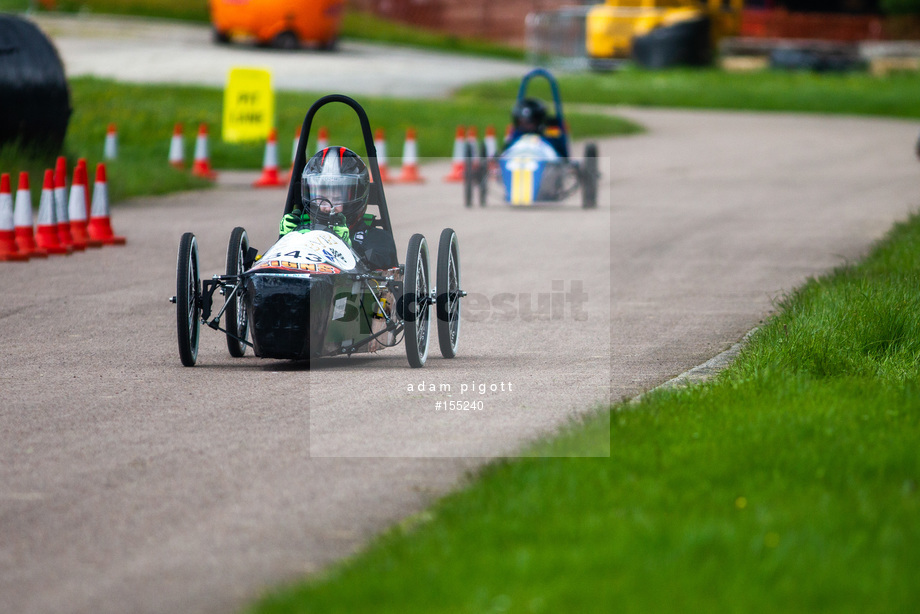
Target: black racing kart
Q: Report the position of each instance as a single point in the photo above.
(311, 295)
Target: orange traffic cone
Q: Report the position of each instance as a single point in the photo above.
(491, 142)
(110, 150)
(294, 152)
(60, 206)
(46, 233)
(322, 141)
(9, 251)
(269, 177)
(202, 164)
(76, 208)
(177, 148)
(22, 220)
(409, 171)
(456, 168)
(380, 144)
(100, 226)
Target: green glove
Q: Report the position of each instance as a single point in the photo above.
(340, 229)
(290, 221)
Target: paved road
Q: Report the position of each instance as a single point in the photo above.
(141, 50)
(130, 483)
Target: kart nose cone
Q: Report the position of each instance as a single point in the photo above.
(288, 314)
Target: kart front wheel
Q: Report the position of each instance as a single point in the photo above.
(415, 302)
(448, 293)
(188, 299)
(468, 172)
(589, 178)
(237, 319)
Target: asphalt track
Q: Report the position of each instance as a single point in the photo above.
(131, 484)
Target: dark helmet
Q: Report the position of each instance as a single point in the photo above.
(529, 115)
(335, 180)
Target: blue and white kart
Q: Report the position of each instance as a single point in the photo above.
(534, 168)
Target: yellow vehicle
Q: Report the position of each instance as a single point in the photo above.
(284, 24)
(658, 33)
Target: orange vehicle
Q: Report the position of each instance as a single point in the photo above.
(283, 24)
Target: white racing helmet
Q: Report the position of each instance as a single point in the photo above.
(335, 181)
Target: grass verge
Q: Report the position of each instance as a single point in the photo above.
(787, 484)
(769, 90)
(145, 116)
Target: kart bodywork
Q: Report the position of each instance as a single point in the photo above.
(312, 295)
(534, 168)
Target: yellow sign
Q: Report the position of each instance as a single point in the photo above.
(249, 105)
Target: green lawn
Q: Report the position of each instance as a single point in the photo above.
(789, 484)
(769, 90)
(145, 116)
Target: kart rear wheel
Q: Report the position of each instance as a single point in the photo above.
(237, 319)
(415, 304)
(589, 178)
(468, 172)
(448, 293)
(188, 299)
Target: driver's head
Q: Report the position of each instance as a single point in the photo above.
(334, 181)
(529, 115)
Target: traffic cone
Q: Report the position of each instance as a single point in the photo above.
(100, 226)
(456, 169)
(110, 151)
(269, 177)
(9, 251)
(46, 232)
(60, 206)
(294, 152)
(76, 208)
(380, 144)
(491, 142)
(202, 164)
(409, 171)
(322, 141)
(22, 220)
(177, 148)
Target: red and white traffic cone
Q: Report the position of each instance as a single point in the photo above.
(177, 148)
(22, 220)
(9, 250)
(456, 167)
(491, 142)
(60, 206)
(110, 151)
(76, 208)
(269, 177)
(201, 167)
(46, 231)
(294, 151)
(409, 172)
(322, 140)
(380, 144)
(100, 224)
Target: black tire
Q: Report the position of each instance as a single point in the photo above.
(448, 293)
(589, 178)
(219, 38)
(236, 317)
(484, 162)
(286, 41)
(416, 289)
(188, 299)
(468, 175)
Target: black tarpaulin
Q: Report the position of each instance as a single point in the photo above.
(34, 95)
